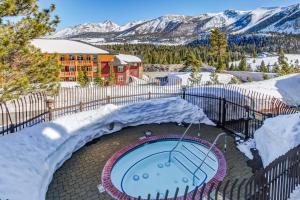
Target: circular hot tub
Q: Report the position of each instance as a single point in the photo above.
(150, 167)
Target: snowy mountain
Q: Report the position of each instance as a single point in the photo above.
(179, 29)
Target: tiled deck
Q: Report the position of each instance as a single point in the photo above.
(79, 176)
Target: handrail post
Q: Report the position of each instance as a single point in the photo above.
(179, 141)
(206, 155)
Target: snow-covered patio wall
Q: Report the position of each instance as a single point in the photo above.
(29, 158)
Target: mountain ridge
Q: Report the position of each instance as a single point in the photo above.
(182, 29)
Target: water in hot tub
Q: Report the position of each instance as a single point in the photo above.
(147, 170)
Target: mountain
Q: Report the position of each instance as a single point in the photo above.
(179, 29)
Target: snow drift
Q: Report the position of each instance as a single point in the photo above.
(277, 136)
(29, 158)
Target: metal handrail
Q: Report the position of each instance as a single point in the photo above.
(179, 141)
(213, 144)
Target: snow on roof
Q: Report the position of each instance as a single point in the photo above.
(124, 59)
(66, 46)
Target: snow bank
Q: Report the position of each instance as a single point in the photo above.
(296, 194)
(277, 136)
(285, 88)
(184, 78)
(29, 158)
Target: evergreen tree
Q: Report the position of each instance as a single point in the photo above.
(276, 68)
(195, 64)
(24, 68)
(214, 78)
(234, 80)
(266, 76)
(249, 79)
(243, 64)
(98, 79)
(282, 60)
(263, 67)
(218, 45)
(82, 79)
(112, 77)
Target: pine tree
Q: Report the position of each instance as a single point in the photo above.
(82, 79)
(98, 79)
(282, 60)
(234, 80)
(214, 78)
(262, 67)
(243, 64)
(218, 46)
(266, 76)
(24, 68)
(276, 68)
(112, 77)
(195, 64)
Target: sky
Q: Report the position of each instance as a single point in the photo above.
(73, 12)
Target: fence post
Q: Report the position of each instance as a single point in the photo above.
(224, 113)
(12, 128)
(220, 112)
(50, 107)
(108, 99)
(184, 92)
(149, 95)
(247, 122)
(80, 106)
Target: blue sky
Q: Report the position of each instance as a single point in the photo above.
(74, 12)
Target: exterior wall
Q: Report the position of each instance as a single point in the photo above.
(72, 63)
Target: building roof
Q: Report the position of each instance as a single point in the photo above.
(66, 47)
(124, 59)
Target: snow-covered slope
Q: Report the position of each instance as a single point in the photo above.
(285, 88)
(29, 158)
(254, 63)
(184, 29)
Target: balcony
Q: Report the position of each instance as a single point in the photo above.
(77, 63)
(68, 74)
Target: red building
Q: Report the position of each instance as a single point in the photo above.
(125, 67)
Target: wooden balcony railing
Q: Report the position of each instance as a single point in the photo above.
(68, 74)
(77, 63)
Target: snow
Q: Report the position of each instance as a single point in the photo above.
(184, 77)
(65, 47)
(277, 136)
(246, 146)
(285, 88)
(296, 194)
(124, 59)
(29, 158)
(269, 60)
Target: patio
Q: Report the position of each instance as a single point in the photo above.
(79, 177)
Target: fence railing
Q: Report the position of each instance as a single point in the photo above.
(229, 106)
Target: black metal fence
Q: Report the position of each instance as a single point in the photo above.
(231, 107)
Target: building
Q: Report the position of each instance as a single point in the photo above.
(75, 56)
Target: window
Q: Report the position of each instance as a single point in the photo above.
(72, 69)
(88, 57)
(95, 58)
(120, 68)
(71, 79)
(120, 79)
(62, 58)
(72, 57)
(62, 69)
(79, 57)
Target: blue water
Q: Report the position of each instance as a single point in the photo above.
(146, 169)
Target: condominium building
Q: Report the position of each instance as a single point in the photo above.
(75, 56)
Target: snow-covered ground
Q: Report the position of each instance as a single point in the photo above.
(269, 60)
(285, 88)
(275, 138)
(29, 158)
(184, 78)
(296, 194)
